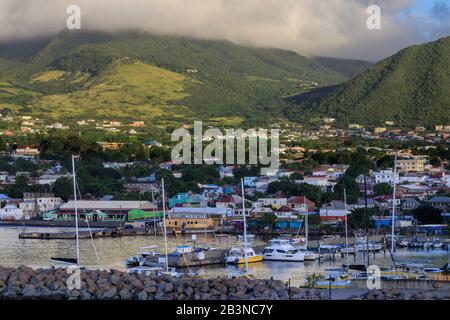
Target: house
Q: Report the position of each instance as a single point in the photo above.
(301, 204)
(11, 213)
(112, 146)
(228, 201)
(49, 179)
(226, 172)
(25, 152)
(416, 164)
(117, 165)
(187, 200)
(410, 204)
(285, 212)
(323, 182)
(5, 177)
(272, 202)
(413, 178)
(442, 203)
(412, 191)
(361, 203)
(335, 211)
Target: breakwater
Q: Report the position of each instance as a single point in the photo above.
(52, 284)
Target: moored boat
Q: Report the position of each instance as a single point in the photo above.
(282, 250)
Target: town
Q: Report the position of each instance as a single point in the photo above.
(121, 184)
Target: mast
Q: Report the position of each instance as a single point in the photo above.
(306, 223)
(76, 209)
(164, 224)
(245, 226)
(367, 220)
(393, 204)
(346, 229)
(154, 217)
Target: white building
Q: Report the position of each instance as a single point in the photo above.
(39, 203)
(446, 180)
(385, 176)
(10, 212)
(273, 202)
(50, 179)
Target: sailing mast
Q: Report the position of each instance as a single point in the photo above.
(346, 229)
(164, 224)
(245, 226)
(393, 204)
(76, 209)
(306, 223)
(367, 220)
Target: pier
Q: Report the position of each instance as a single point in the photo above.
(104, 233)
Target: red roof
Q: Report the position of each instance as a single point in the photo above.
(299, 199)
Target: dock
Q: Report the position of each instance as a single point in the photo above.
(104, 233)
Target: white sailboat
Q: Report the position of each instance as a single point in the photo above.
(71, 261)
(246, 254)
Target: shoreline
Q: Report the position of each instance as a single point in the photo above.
(25, 283)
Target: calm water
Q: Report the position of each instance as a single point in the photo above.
(113, 251)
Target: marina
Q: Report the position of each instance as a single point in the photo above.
(113, 253)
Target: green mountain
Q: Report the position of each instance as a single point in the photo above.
(346, 67)
(411, 87)
(161, 80)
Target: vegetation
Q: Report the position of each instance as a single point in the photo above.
(145, 77)
(409, 88)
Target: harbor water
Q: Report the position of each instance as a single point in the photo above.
(112, 253)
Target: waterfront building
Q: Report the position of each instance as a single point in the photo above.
(106, 210)
(11, 213)
(35, 204)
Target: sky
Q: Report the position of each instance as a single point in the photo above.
(333, 28)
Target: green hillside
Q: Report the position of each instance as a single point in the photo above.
(411, 87)
(346, 67)
(144, 77)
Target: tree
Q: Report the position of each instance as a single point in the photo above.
(268, 219)
(382, 188)
(63, 188)
(19, 187)
(348, 183)
(426, 214)
(435, 162)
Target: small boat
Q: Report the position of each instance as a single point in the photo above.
(334, 281)
(236, 255)
(282, 250)
(140, 258)
(65, 261)
(404, 244)
(240, 237)
(328, 248)
(147, 271)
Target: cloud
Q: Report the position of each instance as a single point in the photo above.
(327, 28)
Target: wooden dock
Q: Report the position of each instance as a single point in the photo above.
(104, 233)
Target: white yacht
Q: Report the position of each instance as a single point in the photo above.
(299, 244)
(282, 250)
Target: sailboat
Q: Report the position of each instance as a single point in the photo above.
(244, 254)
(72, 261)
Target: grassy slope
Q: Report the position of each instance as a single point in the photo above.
(126, 90)
(235, 82)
